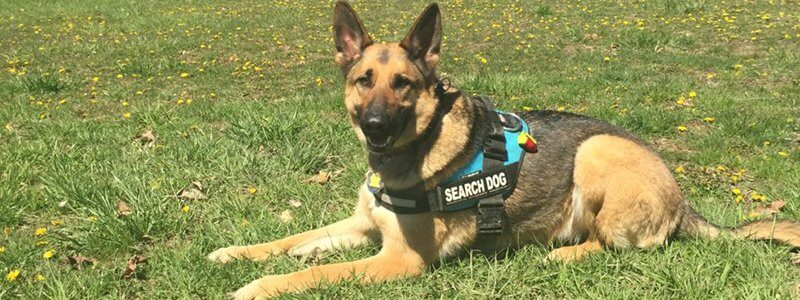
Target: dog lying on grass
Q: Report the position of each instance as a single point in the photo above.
(585, 184)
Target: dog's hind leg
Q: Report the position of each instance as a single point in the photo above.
(575, 252)
(629, 198)
(351, 232)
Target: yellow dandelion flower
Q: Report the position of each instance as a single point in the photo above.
(606, 59)
(184, 75)
(39, 277)
(709, 119)
(180, 100)
(692, 94)
(483, 60)
(2, 249)
(736, 191)
(783, 153)
(11, 276)
(679, 170)
(56, 222)
(252, 190)
(757, 197)
(189, 101)
(682, 128)
(41, 231)
(124, 103)
(126, 115)
(62, 101)
(48, 254)
(185, 208)
(119, 76)
(95, 79)
(41, 243)
(527, 108)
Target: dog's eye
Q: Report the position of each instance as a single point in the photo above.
(400, 82)
(363, 81)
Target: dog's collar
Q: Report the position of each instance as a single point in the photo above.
(492, 171)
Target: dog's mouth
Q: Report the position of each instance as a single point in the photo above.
(379, 145)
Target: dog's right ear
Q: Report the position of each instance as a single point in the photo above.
(349, 35)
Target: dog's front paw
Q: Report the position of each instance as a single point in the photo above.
(263, 288)
(225, 255)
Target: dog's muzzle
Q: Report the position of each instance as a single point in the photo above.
(375, 125)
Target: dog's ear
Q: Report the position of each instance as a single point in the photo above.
(424, 40)
(349, 35)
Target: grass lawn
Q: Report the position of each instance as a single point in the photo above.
(244, 99)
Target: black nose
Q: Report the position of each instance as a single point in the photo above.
(375, 122)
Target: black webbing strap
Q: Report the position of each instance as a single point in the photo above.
(491, 211)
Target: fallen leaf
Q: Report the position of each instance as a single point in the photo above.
(123, 209)
(132, 264)
(194, 191)
(78, 261)
(767, 210)
(286, 216)
(796, 259)
(295, 203)
(322, 178)
(147, 137)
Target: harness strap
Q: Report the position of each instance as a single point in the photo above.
(491, 210)
(483, 185)
(494, 147)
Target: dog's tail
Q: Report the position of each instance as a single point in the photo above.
(787, 232)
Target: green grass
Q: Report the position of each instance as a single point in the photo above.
(266, 113)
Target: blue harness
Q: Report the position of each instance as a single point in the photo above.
(485, 181)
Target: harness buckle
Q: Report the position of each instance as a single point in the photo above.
(491, 215)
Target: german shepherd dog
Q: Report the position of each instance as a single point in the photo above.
(590, 187)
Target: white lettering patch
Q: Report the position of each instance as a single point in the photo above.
(477, 187)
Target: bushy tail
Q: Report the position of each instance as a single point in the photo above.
(787, 232)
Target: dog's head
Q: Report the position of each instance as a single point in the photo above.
(389, 88)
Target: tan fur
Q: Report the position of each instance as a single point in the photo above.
(629, 190)
(783, 231)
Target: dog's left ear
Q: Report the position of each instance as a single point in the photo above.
(424, 40)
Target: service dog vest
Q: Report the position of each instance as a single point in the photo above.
(485, 181)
